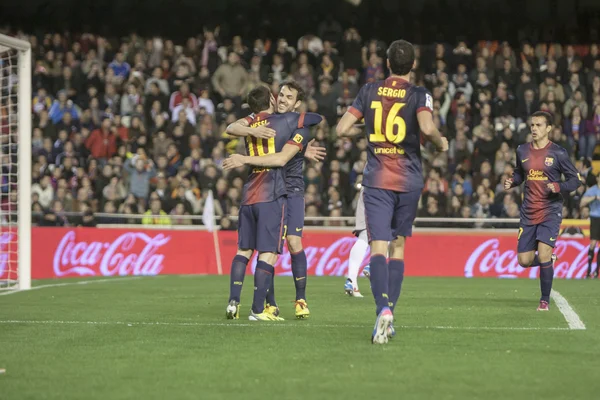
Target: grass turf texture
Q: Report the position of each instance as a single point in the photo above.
(196, 354)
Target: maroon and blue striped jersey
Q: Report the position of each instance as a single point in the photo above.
(269, 184)
(390, 109)
(537, 168)
(294, 168)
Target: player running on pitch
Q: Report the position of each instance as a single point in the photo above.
(540, 165)
(395, 112)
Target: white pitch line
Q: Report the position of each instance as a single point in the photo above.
(70, 284)
(567, 311)
(279, 324)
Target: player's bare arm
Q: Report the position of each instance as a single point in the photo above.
(346, 128)
(517, 177)
(241, 128)
(431, 132)
(269, 160)
(315, 153)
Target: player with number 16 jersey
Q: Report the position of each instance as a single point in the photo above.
(395, 113)
(389, 108)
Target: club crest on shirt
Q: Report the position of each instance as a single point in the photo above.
(549, 161)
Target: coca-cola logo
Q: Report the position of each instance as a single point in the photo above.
(330, 259)
(123, 256)
(5, 239)
(488, 259)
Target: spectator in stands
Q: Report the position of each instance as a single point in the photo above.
(181, 134)
(54, 216)
(44, 190)
(120, 67)
(102, 143)
(155, 215)
(231, 79)
(140, 171)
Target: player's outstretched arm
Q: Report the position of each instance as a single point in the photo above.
(572, 177)
(241, 128)
(430, 131)
(269, 160)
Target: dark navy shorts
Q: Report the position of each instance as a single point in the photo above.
(546, 232)
(261, 226)
(390, 214)
(295, 216)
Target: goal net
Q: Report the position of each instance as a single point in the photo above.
(15, 164)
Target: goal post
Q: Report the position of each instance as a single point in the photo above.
(16, 147)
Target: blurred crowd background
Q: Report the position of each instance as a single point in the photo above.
(135, 124)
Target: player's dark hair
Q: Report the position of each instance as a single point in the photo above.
(259, 99)
(544, 114)
(296, 86)
(401, 55)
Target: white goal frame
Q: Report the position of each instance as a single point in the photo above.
(24, 159)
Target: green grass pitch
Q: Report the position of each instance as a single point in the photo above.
(167, 338)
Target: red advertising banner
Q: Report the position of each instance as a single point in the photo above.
(8, 253)
(82, 252)
(64, 252)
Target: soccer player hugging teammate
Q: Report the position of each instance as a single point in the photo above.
(395, 112)
(262, 224)
(540, 165)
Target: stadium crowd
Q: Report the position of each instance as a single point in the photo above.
(137, 125)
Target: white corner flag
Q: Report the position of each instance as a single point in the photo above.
(208, 215)
(208, 219)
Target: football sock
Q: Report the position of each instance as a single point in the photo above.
(590, 259)
(299, 273)
(357, 255)
(597, 263)
(396, 276)
(546, 276)
(236, 277)
(271, 294)
(379, 281)
(262, 281)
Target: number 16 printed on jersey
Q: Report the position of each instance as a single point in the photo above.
(392, 122)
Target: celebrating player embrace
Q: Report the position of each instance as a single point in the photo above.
(540, 165)
(274, 141)
(395, 112)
